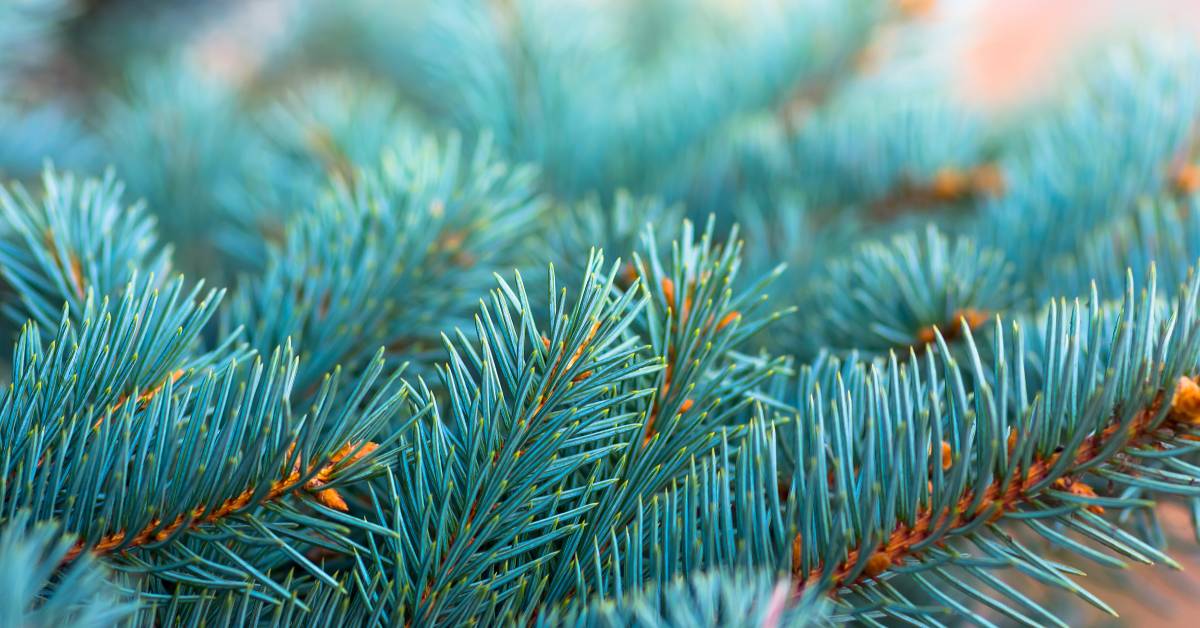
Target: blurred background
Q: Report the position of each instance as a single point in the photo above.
(844, 117)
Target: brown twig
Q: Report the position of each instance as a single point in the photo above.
(947, 186)
(668, 290)
(1004, 495)
(143, 399)
(155, 531)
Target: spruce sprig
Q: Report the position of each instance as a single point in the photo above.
(188, 466)
(891, 477)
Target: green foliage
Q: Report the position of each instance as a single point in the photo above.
(416, 242)
(890, 296)
(175, 462)
(703, 599)
(509, 465)
(197, 161)
(1140, 110)
(76, 239)
(330, 128)
(542, 76)
(37, 592)
(863, 150)
(919, 365)
(30, 136)
(1162, 233)
(907, 440)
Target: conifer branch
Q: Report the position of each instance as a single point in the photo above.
(38, 591)
(702, 599)
(509, 464)
(156, 532)
(416, 239)
(1007, 495)
(200, 168)
(891, 296)
(76, 239)
(652, 445)
(898, 470)
(202, 463)
(703, 387)
(947, 186)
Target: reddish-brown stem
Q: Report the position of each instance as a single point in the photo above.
(143, 399)
(948, 185)
(668, 290)
(1002, 496)
(552, 376)
(155, 531)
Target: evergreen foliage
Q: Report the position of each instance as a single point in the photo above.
(559, 314)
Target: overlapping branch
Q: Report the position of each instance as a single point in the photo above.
(883, 472)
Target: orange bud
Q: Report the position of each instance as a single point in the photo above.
(582, 376)
(464, 258)
(1186, 179)
(974, 317)
(668, 288)
(1185, 405)
(728, 318)
(686, 405)
(628, 274)
(77, 276)
(546, 342)
(797, 553)
(330, 498)
(359, 450)
(1081, 489)
(365, 451)
(947, 456)
(952, 329)
(877, 564)
(948, 184)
